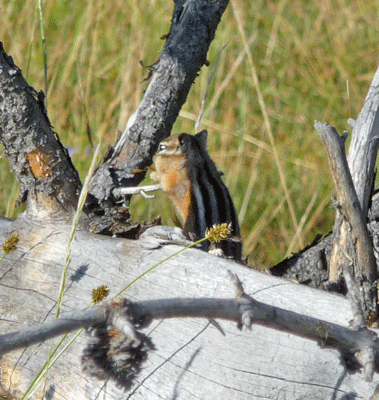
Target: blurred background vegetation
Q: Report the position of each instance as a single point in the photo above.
(278, 66)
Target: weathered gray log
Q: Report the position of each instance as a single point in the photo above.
(358, 346)
(192, 358)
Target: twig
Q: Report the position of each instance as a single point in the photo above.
(118, 192)
(201, 112)
(39, 333)
(359, 346)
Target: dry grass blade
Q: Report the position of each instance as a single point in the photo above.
(268, 125)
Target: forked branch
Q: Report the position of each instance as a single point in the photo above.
(352, 241)
(127, 318)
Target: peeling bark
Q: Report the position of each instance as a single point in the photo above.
(48, 179)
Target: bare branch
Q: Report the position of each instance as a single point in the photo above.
(351, 233)
(127, 191)
(39, 333)
(360, 346)
(192, 30)
(375, 396)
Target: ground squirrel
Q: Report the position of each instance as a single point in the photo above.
(187, 174)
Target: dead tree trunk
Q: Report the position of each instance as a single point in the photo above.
(192, 359)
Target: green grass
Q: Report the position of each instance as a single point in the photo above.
(308, 60)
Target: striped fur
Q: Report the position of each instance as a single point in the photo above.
(184, 160)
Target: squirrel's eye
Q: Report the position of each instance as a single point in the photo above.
(161, 147)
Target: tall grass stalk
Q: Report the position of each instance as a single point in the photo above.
(49, 363)
(75, 222)
(44, 47)
(237, 13)
(53, 349)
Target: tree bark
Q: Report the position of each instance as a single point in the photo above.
(364, 146)
(352, 246)
(316, 265)
(48, 179)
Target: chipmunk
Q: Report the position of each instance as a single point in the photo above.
(187, 174)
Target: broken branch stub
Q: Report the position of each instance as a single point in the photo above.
(352, 241)
(48, 179)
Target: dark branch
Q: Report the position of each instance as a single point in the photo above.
(48, 179)
(192, 30)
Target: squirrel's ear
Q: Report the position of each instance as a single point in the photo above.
(202, 138)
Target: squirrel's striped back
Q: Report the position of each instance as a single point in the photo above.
(190, 178)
